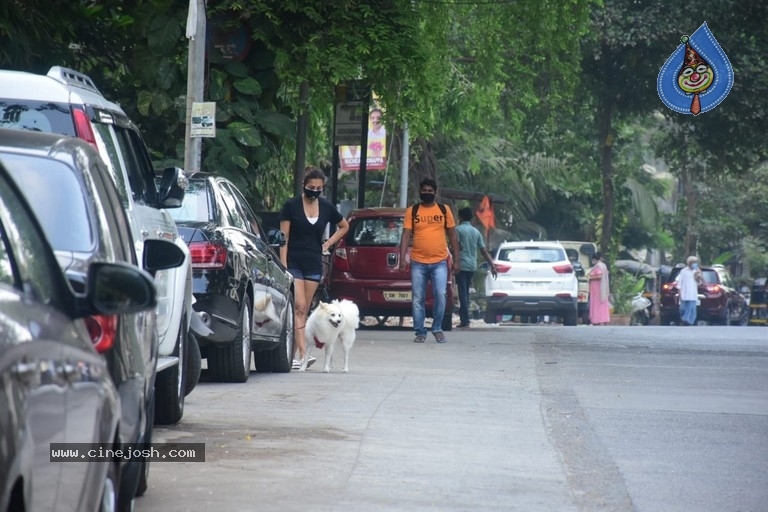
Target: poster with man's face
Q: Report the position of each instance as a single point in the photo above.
(349, 156)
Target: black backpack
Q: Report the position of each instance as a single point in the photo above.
(415, 209)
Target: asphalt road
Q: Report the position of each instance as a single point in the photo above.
(522, 418)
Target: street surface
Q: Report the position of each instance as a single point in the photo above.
(518, 418)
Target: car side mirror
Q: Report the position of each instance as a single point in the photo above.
(275, 237)
(161, 255)
(119, 288)
(173, 185)
(578, 268)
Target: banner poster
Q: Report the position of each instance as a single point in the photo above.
(376, 160)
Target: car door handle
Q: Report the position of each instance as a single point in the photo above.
(25, 371)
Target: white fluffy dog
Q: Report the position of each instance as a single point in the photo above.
(331, 322)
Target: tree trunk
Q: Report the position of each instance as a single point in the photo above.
(606, 138)
(425, 166)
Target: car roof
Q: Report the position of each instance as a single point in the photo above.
(60, 85)
(535, 243)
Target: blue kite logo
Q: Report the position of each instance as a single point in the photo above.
(697, 76)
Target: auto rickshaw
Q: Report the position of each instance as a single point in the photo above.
(758, 302)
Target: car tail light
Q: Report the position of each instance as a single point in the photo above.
(563, 269)
(563, 295)
(502, 267)
(340, 260)
(207, 255)
(713, 290)
(668, 287)
(499, 294)
(102, 329)
(83, 126)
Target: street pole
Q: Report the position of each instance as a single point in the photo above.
(195, 80)
(403, 200)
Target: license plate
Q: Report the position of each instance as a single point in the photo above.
(397, 296)
(532, 284)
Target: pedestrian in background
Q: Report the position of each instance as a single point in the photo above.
(688, 281)
(426, 231)
(303, 220)
(599, 289)
(470, 241)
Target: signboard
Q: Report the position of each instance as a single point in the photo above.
(203, 119)
(348, 130)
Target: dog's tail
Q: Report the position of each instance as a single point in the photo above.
(351, 313)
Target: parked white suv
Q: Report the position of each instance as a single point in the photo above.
(534, 279)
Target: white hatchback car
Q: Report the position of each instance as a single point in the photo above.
(534, 278)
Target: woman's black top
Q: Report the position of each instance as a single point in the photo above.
(305, 240)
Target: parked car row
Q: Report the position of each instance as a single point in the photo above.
(90, 184)
(105, 346)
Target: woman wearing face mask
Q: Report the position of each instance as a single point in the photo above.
(688, 281)
(303, 220)
(599, 286)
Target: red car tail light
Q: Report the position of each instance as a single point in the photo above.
(207, 255)
(713, 290)
(83, 126)
(668, 287)
(502, 267)
(340, 260)
(102, 329)
(499, 294)
(563, 269)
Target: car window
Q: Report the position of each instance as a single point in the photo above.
(24, 249)
(250, 217)
(376, 231)
(6, 267)
(194, 207)
(110, 153)
(234, 216)
(710, 276)
(36, 116)
(531, 255)
(53, 191)
(117, 222)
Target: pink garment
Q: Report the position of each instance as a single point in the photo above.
(599, 309)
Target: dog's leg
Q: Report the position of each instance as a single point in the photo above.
(328, 356)
(346, 343)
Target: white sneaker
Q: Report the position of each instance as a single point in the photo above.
(296, 364)
(311, 361)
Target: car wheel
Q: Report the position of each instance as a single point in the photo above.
(571, 318)
(109, 489)
(232, 363)
(147, 439)
(281, 358)
(490, 315)
(194, 363)
(171, 383)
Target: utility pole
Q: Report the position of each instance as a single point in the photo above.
(403, 199)
(195, 80)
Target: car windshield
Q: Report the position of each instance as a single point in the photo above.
(53, 191)
(195, 205)
(531, 254)
(375, 231)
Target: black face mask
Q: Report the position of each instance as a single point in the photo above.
(312, 194)
(427, 198)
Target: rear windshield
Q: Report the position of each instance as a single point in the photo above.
(710, 276)
(531, 254)
(375, 231)
(55, 195)
(36, 116)
(195, 205)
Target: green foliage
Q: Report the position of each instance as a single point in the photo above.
(624, 286)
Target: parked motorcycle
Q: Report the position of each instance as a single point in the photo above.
(641, 310)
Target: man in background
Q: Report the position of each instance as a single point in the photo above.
(470, 241)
